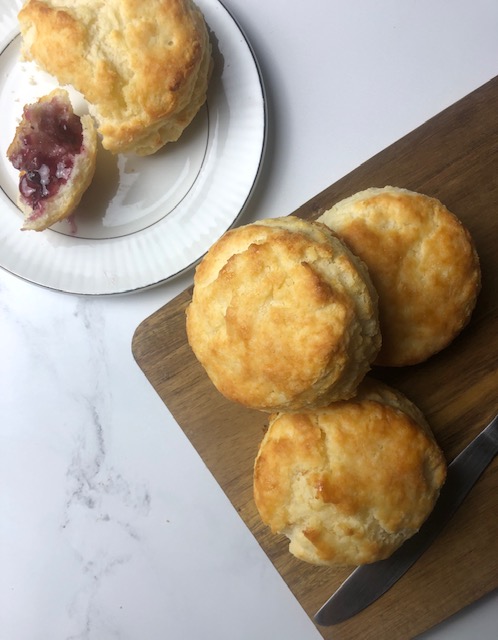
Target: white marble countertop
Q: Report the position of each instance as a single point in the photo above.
(111, 527)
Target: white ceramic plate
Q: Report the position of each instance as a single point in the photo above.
(143, 220)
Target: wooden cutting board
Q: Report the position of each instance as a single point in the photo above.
(454, 157)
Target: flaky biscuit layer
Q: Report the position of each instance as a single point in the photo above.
(422, 261)
(349, 483)
(283, 316)
(142, 66)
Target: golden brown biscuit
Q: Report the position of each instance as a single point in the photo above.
(349, 483)
(423, 264)
(143, 67)
(283, 316)
(55, 151)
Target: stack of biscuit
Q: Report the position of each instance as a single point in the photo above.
(288, 316)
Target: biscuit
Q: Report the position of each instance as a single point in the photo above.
(143, 67)
(55, 151)
(283, 316)
(349, 483)
(423, 263)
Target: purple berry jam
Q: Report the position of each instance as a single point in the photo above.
(48, 138)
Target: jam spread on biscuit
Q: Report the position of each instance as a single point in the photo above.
(48, 138)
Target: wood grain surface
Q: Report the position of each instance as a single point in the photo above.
(454, 157)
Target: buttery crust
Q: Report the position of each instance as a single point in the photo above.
(349, 483)
(63, 203)
(423, 263)
(283, 316)
(142, 67)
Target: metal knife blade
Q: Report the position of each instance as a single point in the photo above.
(368, 582)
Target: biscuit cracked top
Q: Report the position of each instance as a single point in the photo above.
(143, 67)
(349, 483)
(283, 316)
(423, 263)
